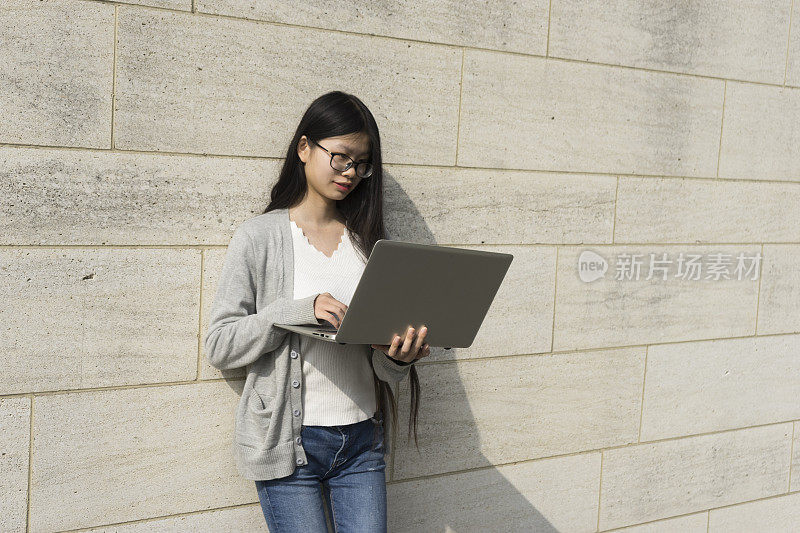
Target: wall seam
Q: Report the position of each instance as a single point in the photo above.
(547, 44)
(788, 43)
(600, 491)
(601, 450)
(555, 301)
(114, 77)
(641, 404)
(464, 360)
(791, 457)
(721, 125)
(569, 172)
(30, 465)
(460, 97)
(200, 316)
(758, 291)
(435, 43)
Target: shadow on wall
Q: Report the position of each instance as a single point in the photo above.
(480, 498)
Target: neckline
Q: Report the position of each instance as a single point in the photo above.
(338, 246)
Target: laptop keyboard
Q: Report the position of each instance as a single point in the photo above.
(327, 327)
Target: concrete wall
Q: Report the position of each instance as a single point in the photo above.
(135, 136)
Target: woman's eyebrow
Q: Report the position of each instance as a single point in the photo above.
(348, 151)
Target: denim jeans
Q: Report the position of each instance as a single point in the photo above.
(345, 472)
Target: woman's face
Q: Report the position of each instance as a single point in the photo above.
(320, 176)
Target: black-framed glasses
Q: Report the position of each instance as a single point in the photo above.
(342, 162)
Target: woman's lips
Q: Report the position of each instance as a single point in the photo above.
(341, 187)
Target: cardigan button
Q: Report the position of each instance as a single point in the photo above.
(297, 440)
(295, 383)
(297, 412)
(299, 461)
(294, 354)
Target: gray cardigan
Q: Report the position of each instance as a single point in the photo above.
(255, 291)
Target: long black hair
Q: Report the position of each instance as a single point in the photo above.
(333, 114)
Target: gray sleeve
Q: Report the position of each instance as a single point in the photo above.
(386, 369)
(237, 335)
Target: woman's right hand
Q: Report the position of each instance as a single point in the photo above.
(326, 307)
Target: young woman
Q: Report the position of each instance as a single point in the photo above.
(331, 190)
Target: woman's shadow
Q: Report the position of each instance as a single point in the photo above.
(469, 420)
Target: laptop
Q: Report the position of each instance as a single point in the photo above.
(404, 284)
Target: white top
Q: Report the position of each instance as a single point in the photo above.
(339, 387)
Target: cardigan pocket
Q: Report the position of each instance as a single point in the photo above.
(256, 421)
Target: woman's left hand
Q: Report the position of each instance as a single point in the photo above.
(407, 350)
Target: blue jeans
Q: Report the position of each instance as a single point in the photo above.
(345, 472)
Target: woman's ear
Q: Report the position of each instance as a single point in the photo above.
(303, 149)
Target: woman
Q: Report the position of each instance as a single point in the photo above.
(329, 195)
